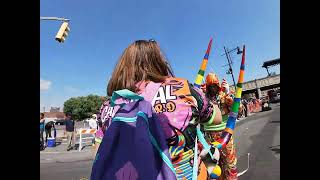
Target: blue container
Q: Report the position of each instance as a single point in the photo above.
(51, 142)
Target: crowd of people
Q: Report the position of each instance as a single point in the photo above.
(45, 127)
(179, 106)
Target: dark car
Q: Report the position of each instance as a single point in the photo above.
(265, 104)
(60, 122)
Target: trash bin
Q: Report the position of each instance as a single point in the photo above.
(51, 142)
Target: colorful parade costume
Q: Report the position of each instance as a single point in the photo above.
(179, 107)
(221, 135)
(214, 132)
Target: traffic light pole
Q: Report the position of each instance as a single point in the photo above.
(54, 18)
(64, 29)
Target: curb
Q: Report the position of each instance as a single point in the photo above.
(65, 152)
(49, 161)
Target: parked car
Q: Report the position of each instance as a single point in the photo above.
(60, 122)
(265, 104)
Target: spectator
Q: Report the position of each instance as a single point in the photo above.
(42, 129)
(70, 132)
(245, 104)
(93, 122)
(48, 128)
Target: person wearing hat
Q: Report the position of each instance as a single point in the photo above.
(221, 94)
(212, 86)
(93, 122)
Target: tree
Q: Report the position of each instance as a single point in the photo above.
(84, 106)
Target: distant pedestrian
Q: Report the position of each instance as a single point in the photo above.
(48, 128)
(93, 122)
(70, 132)
(245, 104)
(41, 130)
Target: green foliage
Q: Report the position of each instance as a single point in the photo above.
(84, 106)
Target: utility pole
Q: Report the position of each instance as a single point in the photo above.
(229, 63)
(227, 53)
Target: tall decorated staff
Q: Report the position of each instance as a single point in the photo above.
(210, 155)
(203, 67)
(229, 130)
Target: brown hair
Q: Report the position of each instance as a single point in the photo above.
(141, 61)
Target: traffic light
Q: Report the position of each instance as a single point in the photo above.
(63, 32)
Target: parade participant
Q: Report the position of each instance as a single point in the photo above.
(223, 96)
(225, 86)
(179, 106)
(213, 87)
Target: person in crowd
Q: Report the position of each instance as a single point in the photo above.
(93, 122)
(48, 127)
(224, 97)
(70, 130)
(42, 121)
(143, 69)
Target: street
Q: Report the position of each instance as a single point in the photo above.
(258, 135)
(71, 170)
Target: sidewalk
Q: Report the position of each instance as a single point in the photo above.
(59, 154)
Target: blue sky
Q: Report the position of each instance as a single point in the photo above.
(102, 29)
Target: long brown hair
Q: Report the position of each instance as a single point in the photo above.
(141, 61)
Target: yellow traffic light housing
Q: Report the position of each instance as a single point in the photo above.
(63, 32)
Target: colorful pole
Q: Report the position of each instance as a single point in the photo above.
(228, 131)
(203, 66)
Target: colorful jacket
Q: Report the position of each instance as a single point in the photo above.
(180, 107)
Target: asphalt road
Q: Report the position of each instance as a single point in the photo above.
(79, 170)
(258, 135)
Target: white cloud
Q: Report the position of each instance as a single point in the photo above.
(44, 85)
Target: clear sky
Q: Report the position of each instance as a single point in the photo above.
(102, 29)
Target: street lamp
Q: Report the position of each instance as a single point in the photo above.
(238, 50)
(227, 53)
